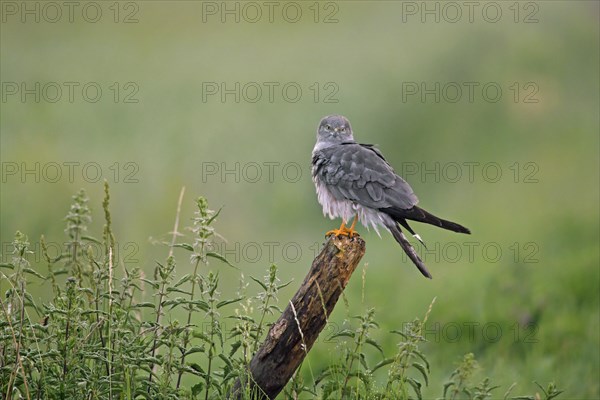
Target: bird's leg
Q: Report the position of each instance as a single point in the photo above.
(339, 232)
(351, 231)
(343, 231)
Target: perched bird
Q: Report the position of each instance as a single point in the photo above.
(354, 181)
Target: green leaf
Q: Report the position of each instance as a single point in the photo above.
(234, 347)
(174, 302)
(211, 219)
(284, 285)
(226, 360)
(197, 333)
(185, 246)
(274, 307)
(200, 304)
(91, 239)
(242, 318)
(145, 304)
(416, 385)
(400, 333)
(510, 388)
(196, 367)
(374, 344)
(94, 312)
(33, 272)
(363, 360)
(175, 290)
(259, 282)
(62, 271)
(554, 394)
(447, 386)
(195, 349)
(422, 357)
(225, 302)
(183, 280)
(151, 283)
(343, 333)
(382, 363)
(197, 389)
(423, 370)
(218, 256)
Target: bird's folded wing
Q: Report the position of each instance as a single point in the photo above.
(359, 173)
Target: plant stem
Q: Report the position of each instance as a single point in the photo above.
(211, 345)
(189, 320)
(157, 324)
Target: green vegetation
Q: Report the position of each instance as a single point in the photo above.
(109, 332)
(531, 314)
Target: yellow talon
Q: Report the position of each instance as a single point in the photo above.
(343, 231)
(337, 232)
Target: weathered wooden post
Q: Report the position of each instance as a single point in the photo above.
(292, 336)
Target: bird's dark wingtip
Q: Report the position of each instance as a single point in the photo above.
(408, 249)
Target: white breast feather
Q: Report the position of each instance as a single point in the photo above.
(346, 209)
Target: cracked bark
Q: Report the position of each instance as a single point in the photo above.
(292, 336)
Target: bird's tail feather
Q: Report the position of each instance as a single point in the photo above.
(407, 247)
(405, 224)
(418, 214)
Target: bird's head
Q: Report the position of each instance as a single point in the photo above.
(334, 129)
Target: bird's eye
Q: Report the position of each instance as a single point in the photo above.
(327, 128)
(343, 130)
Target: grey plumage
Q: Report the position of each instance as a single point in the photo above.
(355, 179)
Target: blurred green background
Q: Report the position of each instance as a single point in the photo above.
(362, 59)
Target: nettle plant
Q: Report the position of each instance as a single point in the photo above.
(107, 331)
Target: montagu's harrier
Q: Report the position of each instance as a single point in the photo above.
(353, 180)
